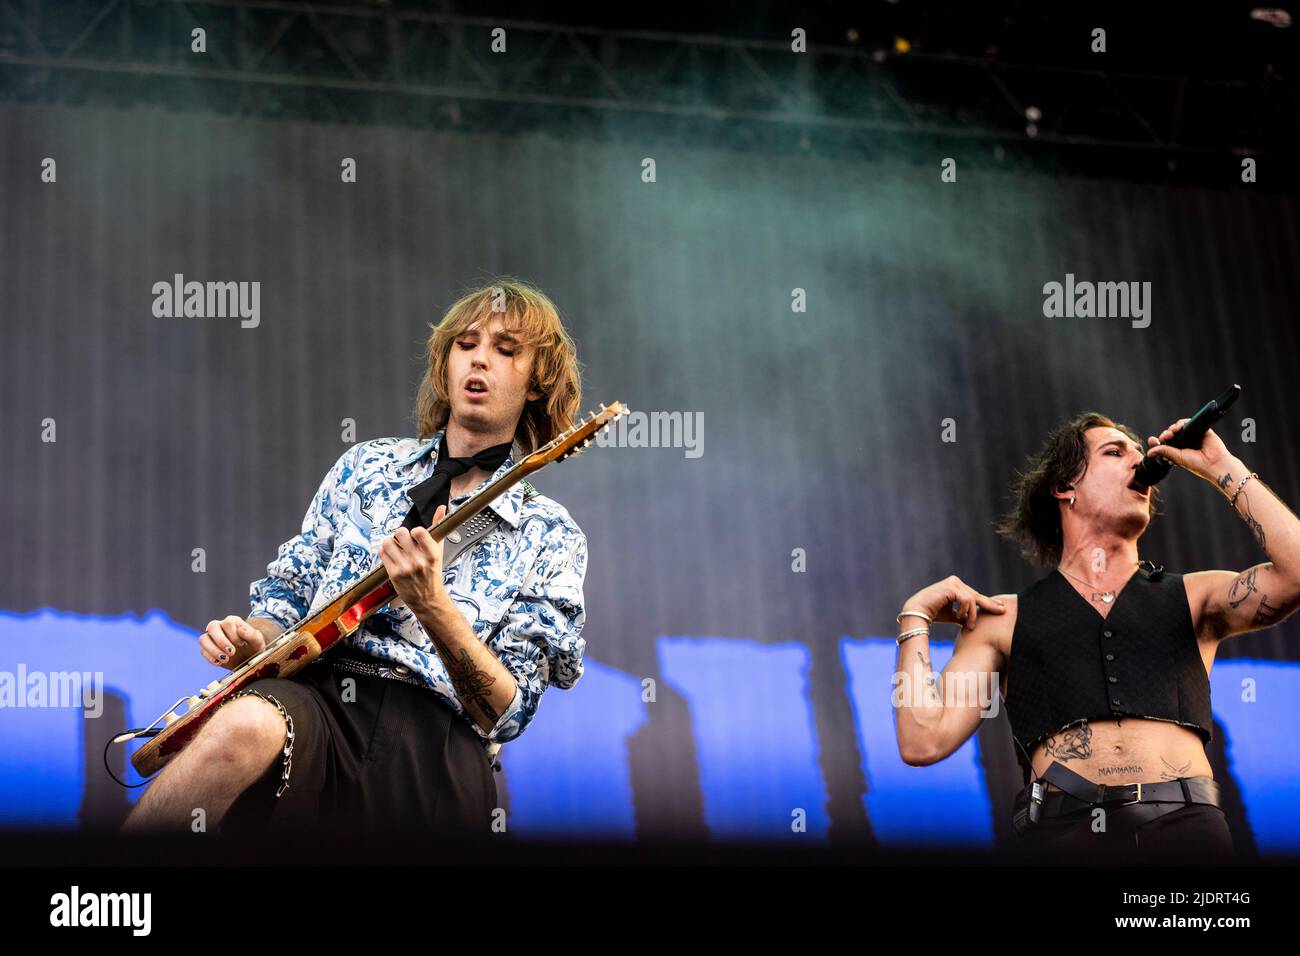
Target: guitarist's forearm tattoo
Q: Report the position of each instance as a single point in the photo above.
(473, 686)
(1072, 744)
(1173, 773)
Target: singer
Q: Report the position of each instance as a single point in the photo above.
(1104, 663)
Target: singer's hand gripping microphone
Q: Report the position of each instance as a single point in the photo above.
(1152, 468)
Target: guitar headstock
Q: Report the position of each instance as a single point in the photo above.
(571, 442)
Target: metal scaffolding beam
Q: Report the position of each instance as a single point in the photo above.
(362, 53)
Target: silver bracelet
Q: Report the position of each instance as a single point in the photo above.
(921, 614)
(911, 633)
(1241, 484)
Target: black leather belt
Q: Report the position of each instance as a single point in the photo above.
(1078, 793)
(1183, 790)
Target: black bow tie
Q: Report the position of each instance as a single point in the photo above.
(436, 489)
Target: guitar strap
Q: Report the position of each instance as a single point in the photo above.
(477, 528)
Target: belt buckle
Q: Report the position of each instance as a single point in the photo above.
(1137, 798)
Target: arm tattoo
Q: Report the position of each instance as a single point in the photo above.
(1266, 615)
(931, 679)
(473, 686)
(1255, 527)
(1242, 588)
(1076, 742)
(1224, 481)
(1173, 773)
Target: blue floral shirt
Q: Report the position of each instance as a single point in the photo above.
(519, 587)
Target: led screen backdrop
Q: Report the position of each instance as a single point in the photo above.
(861, 348)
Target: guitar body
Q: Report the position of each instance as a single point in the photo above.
(289, 653)
(294, 654)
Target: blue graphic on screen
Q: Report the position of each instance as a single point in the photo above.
(946, 803)
(149, 662)
(754, 734)
(1261, 744)
(755, 739)
(568, 774)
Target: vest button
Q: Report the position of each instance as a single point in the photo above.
(1107, 633)
(1110, 657)
(1113, 680)
(1115, 701)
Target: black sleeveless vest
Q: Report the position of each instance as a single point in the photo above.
(1068, 663)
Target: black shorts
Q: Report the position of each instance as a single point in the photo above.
(392, 759)
(1134, 833)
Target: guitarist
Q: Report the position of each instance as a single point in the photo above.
(397, 728)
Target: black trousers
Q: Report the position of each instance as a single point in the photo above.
(371, 756)
(1134, 833)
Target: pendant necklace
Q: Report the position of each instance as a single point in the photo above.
(1107, 596)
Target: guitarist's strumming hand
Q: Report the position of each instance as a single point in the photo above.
(484, 687)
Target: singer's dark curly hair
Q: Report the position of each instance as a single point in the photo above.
(1034, 521)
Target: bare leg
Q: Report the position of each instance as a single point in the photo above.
(235, 747)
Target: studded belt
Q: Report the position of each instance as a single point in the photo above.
(370, 667)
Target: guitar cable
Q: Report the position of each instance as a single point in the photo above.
(128, 735)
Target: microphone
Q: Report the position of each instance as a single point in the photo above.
(1153, 468)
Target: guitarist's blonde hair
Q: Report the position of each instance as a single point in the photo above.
(533, 319)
